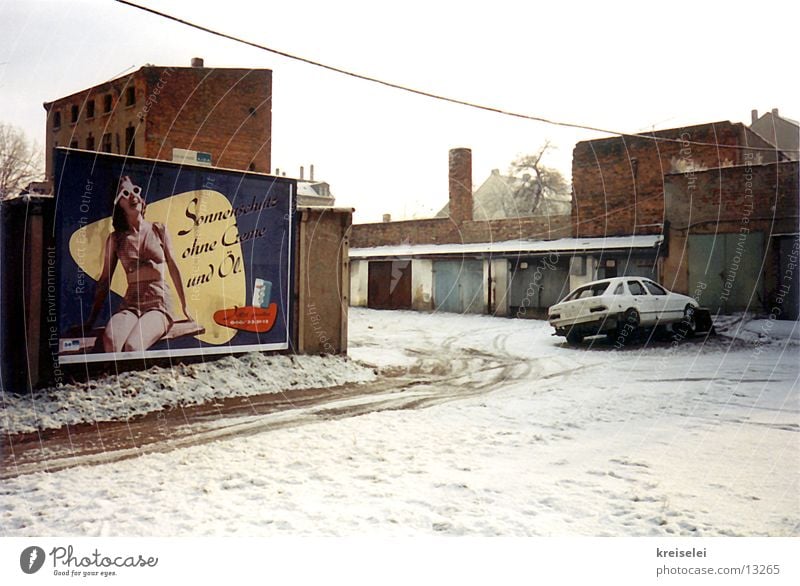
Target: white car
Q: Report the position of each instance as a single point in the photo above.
(618, 307)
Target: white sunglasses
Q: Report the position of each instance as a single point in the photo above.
(126, 193)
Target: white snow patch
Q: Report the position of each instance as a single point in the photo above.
(120, 397)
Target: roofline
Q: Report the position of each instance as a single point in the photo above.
(660, 132)
(179, 164)
(140, 70)
(513, 247)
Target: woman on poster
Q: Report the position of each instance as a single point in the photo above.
(144, 250)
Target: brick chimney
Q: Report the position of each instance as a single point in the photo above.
(460, 177)
(197, 62)
(753, 116)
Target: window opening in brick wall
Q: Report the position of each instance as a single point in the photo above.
(107, 103)
(106, 145)
(90, 109)
(56, 119)
(130, 96)
(130, 140)
(74, 113)
(90, 142)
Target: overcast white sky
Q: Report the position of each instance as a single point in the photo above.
(627, 66)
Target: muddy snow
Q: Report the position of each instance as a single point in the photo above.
(495, 427)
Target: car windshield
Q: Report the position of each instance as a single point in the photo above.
(594, 290)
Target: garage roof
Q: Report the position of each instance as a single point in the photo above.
(511, 247)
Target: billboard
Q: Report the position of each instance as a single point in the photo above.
(158, 259)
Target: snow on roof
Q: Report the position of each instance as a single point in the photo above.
(512, 246)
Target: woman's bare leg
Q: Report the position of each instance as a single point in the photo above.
(150, 328)
(118, 329)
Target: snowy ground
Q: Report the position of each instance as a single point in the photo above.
(133, 393)
(527, 436)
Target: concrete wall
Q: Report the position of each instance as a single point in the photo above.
(500, 283)
(324, 280)
(422, 285)
(359, 282)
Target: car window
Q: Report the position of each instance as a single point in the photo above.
(620, 290)
(588, 291)
(636, 288)
(655, 289)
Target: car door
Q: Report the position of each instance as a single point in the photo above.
(659, 300)
(643, 302)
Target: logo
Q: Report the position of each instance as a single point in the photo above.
(31, 559)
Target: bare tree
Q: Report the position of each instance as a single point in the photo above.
(20, 161)
(537, 181)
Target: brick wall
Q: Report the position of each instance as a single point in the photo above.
(225, 112)
(618, 182)
(446, 231)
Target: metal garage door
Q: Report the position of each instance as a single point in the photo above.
(537, 287)
(458, 286)
(389, 284)
(725, 271)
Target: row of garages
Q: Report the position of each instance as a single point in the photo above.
(524, 278)
(521, 278)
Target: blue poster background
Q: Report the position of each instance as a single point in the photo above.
(86, 183)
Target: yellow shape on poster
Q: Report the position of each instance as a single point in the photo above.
(203, 231)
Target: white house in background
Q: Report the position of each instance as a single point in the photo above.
(494, 200)
(314, 193)
(777, 130)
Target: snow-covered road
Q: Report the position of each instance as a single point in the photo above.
(506, 431)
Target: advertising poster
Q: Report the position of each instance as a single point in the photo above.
(158, 259)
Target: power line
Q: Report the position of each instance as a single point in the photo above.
(431, 95)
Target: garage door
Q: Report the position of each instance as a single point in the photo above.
(458, 286)
(389, 284)
(537, 287)
(726, 269)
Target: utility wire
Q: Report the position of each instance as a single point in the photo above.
(436, 96)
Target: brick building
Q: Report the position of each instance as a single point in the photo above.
(224, 113)
(618, 182)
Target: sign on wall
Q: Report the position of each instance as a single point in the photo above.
(158, 259)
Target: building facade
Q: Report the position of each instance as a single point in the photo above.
(225, 115)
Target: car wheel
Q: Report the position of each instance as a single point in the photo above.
(574, 338)
(688, 325)
(631, 318)
(627, 325)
